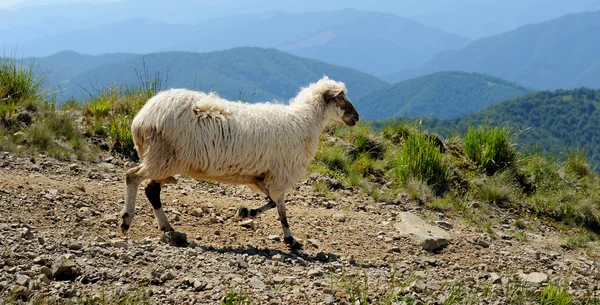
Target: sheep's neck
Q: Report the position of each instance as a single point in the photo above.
(316, 120)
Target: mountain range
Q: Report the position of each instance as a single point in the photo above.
(373, 42)
(440, 95)
(251, 74)
(560, 53)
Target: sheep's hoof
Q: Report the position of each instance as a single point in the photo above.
(243, 212)
(124, 228)
(292, 243)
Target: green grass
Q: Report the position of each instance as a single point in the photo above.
(489, 147)
(420, 158)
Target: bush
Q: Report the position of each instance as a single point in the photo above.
(420, 158)
(489, 147)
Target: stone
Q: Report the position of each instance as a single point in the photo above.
(314, 272)
(329, 299)
(430, 238)
(247, 223)
(110, 219)
(22, 280)
(274, 237)
(64, 269)
(198, 212)
(277, 257)
(444, 225)
(339, 217)
(534, 278)
(199, 285)
(176, 239)
(46, 271)
(257, 283)
(119, 243)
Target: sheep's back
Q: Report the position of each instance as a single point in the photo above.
(214, 136)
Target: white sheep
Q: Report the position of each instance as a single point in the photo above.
(265, 146)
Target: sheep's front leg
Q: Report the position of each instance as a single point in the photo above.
(288, 238)
(133, 178)
(153, 193)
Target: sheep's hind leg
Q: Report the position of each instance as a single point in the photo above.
(288, 238)
(152, 190)
(244, 212)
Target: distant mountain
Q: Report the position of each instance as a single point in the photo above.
(440, 95)
(477, 19)
(253, 74)
(376, 43)
(552, 121)
(561, 53)
(372, 42)
(469, 18)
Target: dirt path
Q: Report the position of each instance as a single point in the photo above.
(51, 208)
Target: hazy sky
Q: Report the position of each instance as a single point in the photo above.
(21, 3)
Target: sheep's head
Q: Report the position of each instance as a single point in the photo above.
(341, 109)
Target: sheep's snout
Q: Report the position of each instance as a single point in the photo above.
(351, 116)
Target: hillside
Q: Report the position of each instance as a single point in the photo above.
(560, 53)
(232, 73)
(440, 95)
(389, 216)
(551, 121)
(373, 42)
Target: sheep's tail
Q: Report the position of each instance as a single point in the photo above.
(138, 140)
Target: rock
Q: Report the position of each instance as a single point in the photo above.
(534, 278)
(484, 241)
(277, 257)
(313, 242)
(198, 212)
(430, 238)
(329, 299)
(247, 223)
(64, 269)
(314, 272)
(18, 290)
(51, 194)
(26, 233)
(110, 219)
(444, 225)
(177, 239)
(22, 280)
(274, 237)
(46, 271)
(119, 243)
(339, 217)
(74, 166)
(257, 283)
(43, 279)
(199, 285)
(278, 279)
(495, 278)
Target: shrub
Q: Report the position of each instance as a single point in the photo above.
(420, 158)
(489, 147)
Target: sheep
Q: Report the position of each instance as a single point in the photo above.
(267, 146)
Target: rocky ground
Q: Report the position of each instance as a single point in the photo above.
(59, 240)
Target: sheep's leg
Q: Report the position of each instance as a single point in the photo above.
(288, 238)
(243, 212)
(133, 178)
(152, 190)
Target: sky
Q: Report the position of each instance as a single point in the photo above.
(8, 4)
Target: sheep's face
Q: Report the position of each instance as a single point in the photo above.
(341, 109)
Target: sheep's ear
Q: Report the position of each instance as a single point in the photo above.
(332, 93)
